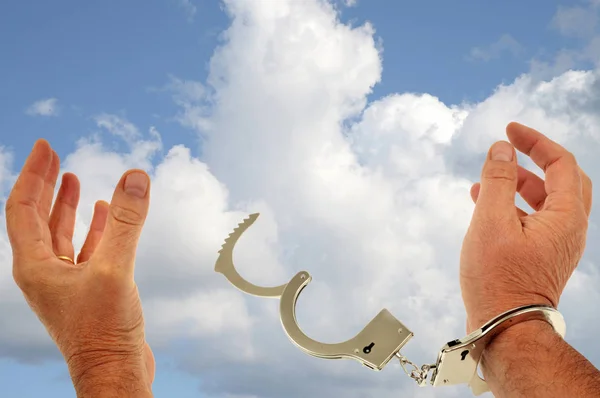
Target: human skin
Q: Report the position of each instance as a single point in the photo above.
(510, 258)
(91, 309)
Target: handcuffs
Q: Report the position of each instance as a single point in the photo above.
(383, 338)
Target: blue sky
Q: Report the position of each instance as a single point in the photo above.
(99, 57)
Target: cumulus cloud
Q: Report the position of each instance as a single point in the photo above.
(370, 198)
(394, 184)
(44, 107)
(193, 100)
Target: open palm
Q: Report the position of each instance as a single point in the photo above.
(89, 305)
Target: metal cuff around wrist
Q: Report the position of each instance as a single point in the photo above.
(383, 338)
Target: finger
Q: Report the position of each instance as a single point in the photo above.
(25, 229)
(127, 213)
(62, 218)
(531, 188)
(95, 233)
(475, 194)
(563, 182)
(496, 199)
(49, 186)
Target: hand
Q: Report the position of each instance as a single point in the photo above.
(510, 258)
(91, 309)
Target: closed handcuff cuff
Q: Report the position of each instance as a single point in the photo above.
(384, 337)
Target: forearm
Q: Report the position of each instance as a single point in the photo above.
(531, 360)
(113, 388)
(113, 382)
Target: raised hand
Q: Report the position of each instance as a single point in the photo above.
(510, 258)
(90, 307)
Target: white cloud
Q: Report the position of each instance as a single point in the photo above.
(191, 96)
(370, 198)
(44, 107)
(505, 44)
(391, 190)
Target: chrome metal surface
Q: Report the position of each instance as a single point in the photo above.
(225, 266)
(384, 336)
(374, 346)
(458, 360)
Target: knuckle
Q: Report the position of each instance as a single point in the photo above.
(19, 277)
(112, 279)
(126, 216)
(104, 273)
(570, 157)
(25, 279)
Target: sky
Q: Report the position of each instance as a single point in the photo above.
(354, 127)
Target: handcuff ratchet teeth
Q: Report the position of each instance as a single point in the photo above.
(224, 264)
(384, 337)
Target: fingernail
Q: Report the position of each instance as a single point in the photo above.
(502, 151)
(136, 184)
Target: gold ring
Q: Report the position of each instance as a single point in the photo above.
(66, 258)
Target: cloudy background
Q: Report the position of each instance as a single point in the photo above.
(355, 130)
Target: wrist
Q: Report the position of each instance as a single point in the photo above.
(525, 335)
(484, 314)
(111, 379)
(534, 329)
(530, 359)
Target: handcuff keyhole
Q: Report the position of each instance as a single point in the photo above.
(464, 354)
(368, 348)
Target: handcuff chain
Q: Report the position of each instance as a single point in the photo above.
(417, 374)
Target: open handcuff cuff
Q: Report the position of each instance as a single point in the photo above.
(384, 337)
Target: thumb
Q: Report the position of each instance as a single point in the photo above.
(127, 213)
(498, 183)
